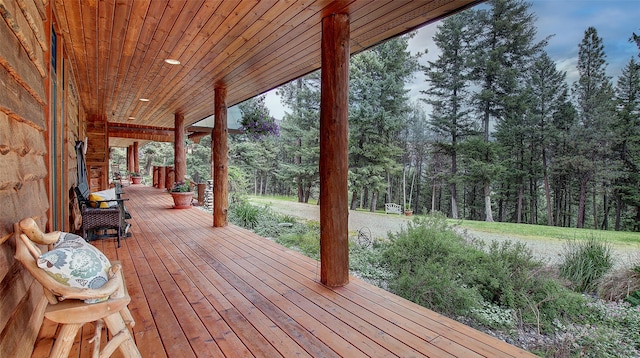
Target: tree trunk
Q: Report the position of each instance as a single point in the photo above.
(255, 182)
(298, 162)
(452, 185)
(354, 200)
(404, 187)
(266, 184)
(390, 188)
(582, 201)
(433, 196)
(149, 163)
(519, 204)
(374, 201)
(413, 179)
(595, 211)
(454, 201)
(618, 210)
(605, 221)
(487, 202)
(547, 191)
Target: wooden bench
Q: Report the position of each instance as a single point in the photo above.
(391, 208)
(66, 305)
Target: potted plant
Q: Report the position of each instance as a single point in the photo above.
(407, 210)
(136, 178)
(182, 195)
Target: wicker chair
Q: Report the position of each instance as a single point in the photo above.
(97, 218)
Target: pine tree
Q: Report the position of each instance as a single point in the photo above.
(593, 94)
(447, 93)
(562, 168)
(378, 107)
(301, 134)
(627, 148)
(503, 47)
(256, 150)
(547, 86)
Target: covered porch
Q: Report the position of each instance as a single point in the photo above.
(202, 291)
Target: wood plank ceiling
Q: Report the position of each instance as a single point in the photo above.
(118, 48)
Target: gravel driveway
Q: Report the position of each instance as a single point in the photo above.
(547, 250)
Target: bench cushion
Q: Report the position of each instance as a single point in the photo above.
(76, 263)
(109, 194)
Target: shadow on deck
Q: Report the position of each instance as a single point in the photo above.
(226, 292)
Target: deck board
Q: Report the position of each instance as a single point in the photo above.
(199, 291)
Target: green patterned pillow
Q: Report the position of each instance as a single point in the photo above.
(76, 263)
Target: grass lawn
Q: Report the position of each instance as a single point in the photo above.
(512, 229)
(549, 232)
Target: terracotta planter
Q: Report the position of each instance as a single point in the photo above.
(408, 212)
(136, 180)
(182, 200)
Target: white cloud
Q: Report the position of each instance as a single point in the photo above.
(276, 108)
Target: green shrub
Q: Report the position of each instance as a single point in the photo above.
(263, 220)
(366, 262)
(245, 214)
(613, 330)
(585, 262)
(307, 242)
(426, 264)
(504, 273)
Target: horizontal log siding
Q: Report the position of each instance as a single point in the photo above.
(23, 174)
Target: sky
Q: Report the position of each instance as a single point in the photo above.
(564, 20)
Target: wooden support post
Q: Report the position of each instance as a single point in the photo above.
(201, 188)
(180, 155)
(154, 181)
(136, 161)
(334, 149)
(219, 154)
(130, 159)
(170, 177)
(162, 176)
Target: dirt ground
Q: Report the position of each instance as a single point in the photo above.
(378, 225)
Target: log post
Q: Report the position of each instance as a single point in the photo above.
(334, 148)
(155, 176)
(201, 188)
(219, 154)
(162, 173)
(130, 159)
(180, 155)
(170, 177)
(136, 161)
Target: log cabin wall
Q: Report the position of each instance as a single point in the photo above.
(97, 156)
(40, 119)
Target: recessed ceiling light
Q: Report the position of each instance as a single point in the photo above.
(144, 99)
(132, 117)
(172, 61)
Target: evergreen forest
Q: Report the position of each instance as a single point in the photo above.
(498, 134)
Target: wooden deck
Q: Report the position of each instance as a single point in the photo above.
(213, 292)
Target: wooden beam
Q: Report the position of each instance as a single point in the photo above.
(156, 134)
(220, 162)
(207, 130)
(180, 155)
(334, 158)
